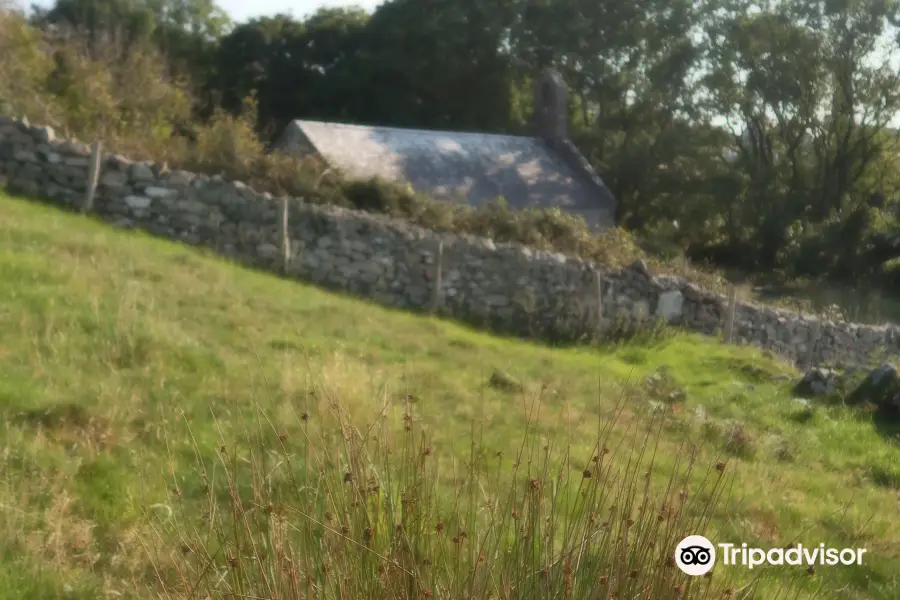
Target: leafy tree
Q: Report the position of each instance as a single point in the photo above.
(807, 94)
(439, 64)
(127, 20)
(297, 69)
(628, 66)
(186, 31)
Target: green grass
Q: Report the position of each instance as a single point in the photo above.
(127, 365)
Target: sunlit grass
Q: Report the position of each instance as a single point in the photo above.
(128, 363)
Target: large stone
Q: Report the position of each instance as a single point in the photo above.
(880, 387)
(119, 162)
(138, 202)
(141, 172)
(886, 372)
(267, 250)
(26, 187)
(158, 192)
(44, 134)
(77, 161)
(497, 300)
(25, 155)
(502, 380)
(74, 148)
(670, 306)
(179, 179)
(114, 179)
(817, 382)
(54, 158)
(192, 206)
(641, 267)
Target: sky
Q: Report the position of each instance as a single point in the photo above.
(242, 10)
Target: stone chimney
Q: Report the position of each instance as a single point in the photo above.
(550, 108)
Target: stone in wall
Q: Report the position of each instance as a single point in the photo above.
(670, 306)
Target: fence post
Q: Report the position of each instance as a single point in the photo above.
(93, 177)
(599, 280)
(284, 236)
(729, 314)
(815, 336)
(438, 269)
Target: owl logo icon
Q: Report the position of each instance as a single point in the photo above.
(695, 555)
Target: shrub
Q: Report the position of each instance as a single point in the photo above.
(25, 67)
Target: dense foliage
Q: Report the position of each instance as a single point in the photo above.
(758, 136)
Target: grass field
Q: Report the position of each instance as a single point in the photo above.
(173, 422)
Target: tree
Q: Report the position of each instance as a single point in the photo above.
(297, 69)
(438, 64)
(807, 97)
(186, 31)
(628, 66)
(127, 20)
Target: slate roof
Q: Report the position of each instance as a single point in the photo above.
(474, 167)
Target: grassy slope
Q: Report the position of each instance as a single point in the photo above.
(108, 336)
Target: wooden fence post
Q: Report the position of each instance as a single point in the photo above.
(438, 269)
(284, 236)
(813, 344)
(599, 279)
(93, 177)
(729, 314)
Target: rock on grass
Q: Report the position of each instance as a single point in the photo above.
(503, 381)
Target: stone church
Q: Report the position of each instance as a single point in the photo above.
(543, 170)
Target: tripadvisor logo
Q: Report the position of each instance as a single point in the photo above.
(696, 555)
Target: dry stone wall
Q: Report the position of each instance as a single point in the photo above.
(504, 286)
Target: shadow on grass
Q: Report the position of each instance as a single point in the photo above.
(887, 423)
